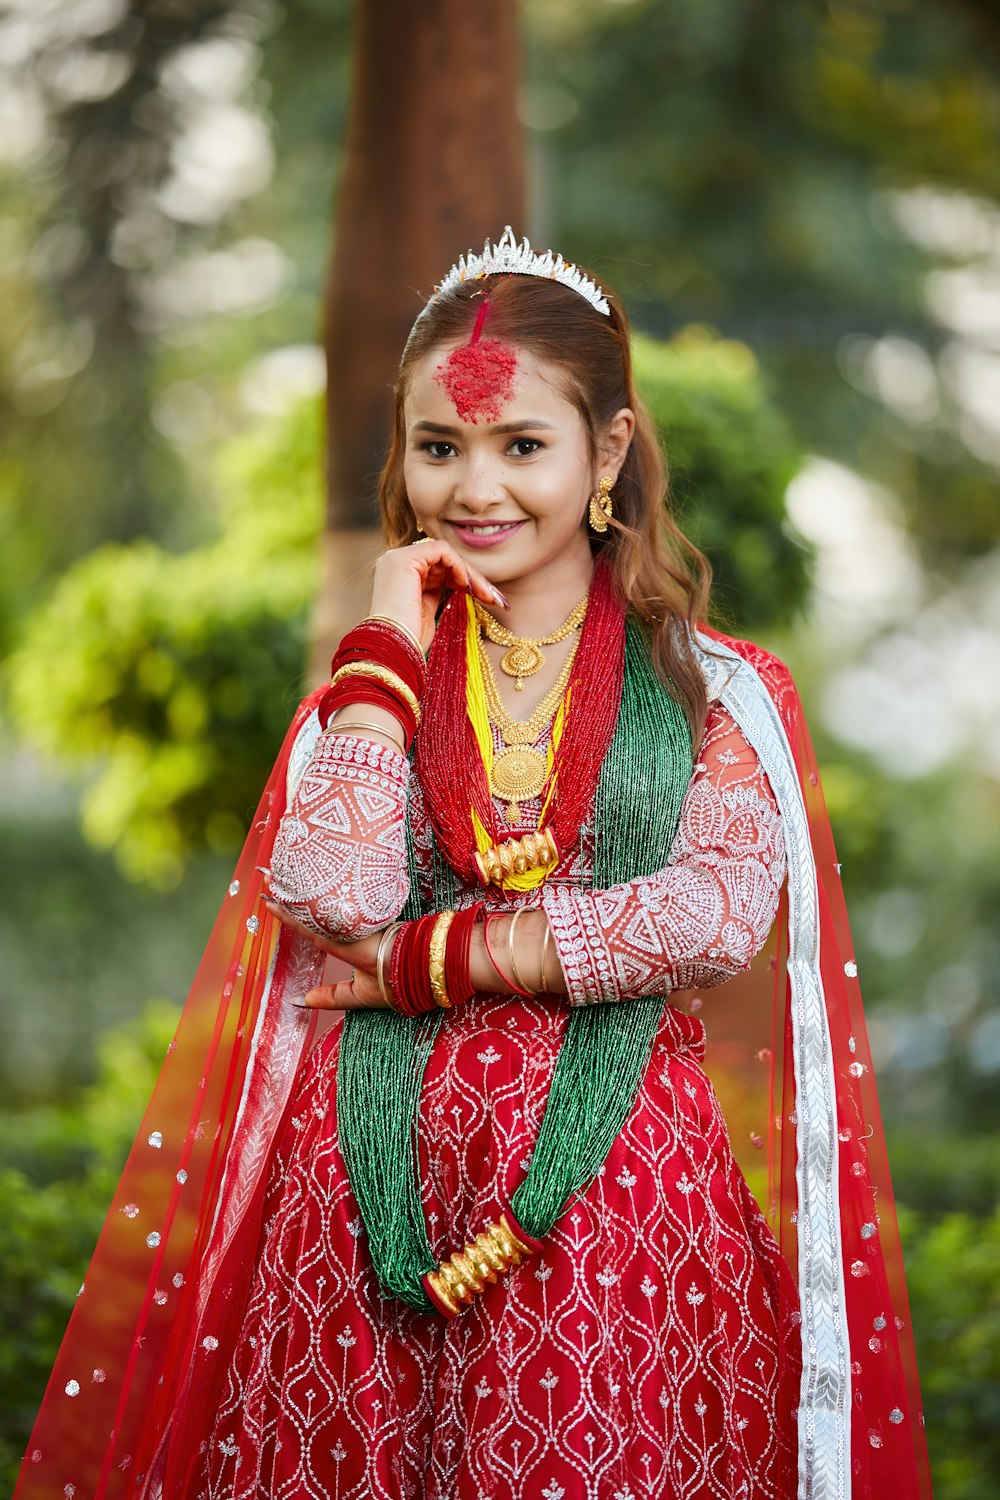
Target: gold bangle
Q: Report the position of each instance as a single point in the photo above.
(378, 673)
(545, 949)
(510, 948)
(439, 942)
(342, 728)
(403, 629)
(383, 954)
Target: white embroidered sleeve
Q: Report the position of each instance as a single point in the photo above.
(701, 919)
(339, 858)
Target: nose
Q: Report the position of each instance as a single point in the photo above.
(478, 483)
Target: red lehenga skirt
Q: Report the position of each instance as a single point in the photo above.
(639, 1356)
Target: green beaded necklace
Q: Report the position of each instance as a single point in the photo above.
(606, 1049)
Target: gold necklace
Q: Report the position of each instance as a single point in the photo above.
(523, 657)
(519, 772)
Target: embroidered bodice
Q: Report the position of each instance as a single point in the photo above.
(339, 864)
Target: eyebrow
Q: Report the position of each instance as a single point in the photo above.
(532, 424)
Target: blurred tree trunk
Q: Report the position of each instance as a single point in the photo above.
(433, 166)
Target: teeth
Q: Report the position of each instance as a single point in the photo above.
(492, 530)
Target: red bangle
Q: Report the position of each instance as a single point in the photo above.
(512, 986)
(409, 964)
(457, 979)
(409, 971)
(380, 643)
(397, 639)
(367, 690)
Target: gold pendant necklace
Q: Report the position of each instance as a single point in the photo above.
(519, 772)
(524, 658)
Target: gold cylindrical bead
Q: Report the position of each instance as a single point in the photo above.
(516, 856)
(460, 1278)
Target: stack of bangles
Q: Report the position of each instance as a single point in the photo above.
(381, 663)
(428, 960)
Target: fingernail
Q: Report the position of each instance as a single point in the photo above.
(300, 1005)
(500, 598)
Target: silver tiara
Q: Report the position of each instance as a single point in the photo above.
(509, 258)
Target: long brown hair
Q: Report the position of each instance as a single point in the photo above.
(658, 572)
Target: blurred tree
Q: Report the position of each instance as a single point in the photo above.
(177, 673)
(951, 1269)
(47, 1232)
(755, 168)
(114, 187)
(441, 167)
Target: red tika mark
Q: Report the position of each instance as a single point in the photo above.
(479, 377)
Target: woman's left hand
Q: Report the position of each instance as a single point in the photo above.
(361, 992)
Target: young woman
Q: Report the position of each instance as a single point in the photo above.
(487, 1235)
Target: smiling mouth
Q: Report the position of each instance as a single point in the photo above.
(486, 528)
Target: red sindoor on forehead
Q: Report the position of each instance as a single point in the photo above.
(479, 376)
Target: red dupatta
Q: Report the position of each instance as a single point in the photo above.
(790, 1060)
(189, 1192)
(808, 1093)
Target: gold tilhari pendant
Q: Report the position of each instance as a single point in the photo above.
(460, 1278)
(534, 851)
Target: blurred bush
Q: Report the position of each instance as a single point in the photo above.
(731, 456)
(951, 1268)
(61, 1167)
(175, 675)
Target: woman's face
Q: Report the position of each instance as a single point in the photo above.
(509, 491)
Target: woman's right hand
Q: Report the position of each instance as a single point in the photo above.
(409, 582)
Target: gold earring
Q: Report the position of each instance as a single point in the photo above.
(601, 508)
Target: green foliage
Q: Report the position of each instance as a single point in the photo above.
(52, 1205)
(952, 1275)
(731, 456)
(177, 674)
(733, 164)
(180, 671)
(947, 1174)
(80, 945)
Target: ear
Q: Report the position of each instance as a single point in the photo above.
(615, 442)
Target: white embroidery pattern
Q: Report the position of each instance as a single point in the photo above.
(339, 858)
(444, 1410)
(701, 919)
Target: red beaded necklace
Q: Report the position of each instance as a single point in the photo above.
(447, 757)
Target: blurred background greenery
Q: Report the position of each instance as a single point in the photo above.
(801, 207)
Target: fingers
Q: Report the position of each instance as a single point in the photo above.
(346, 995)
(443, 567)
(409, 582)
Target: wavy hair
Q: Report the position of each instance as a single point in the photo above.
(659, 574)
